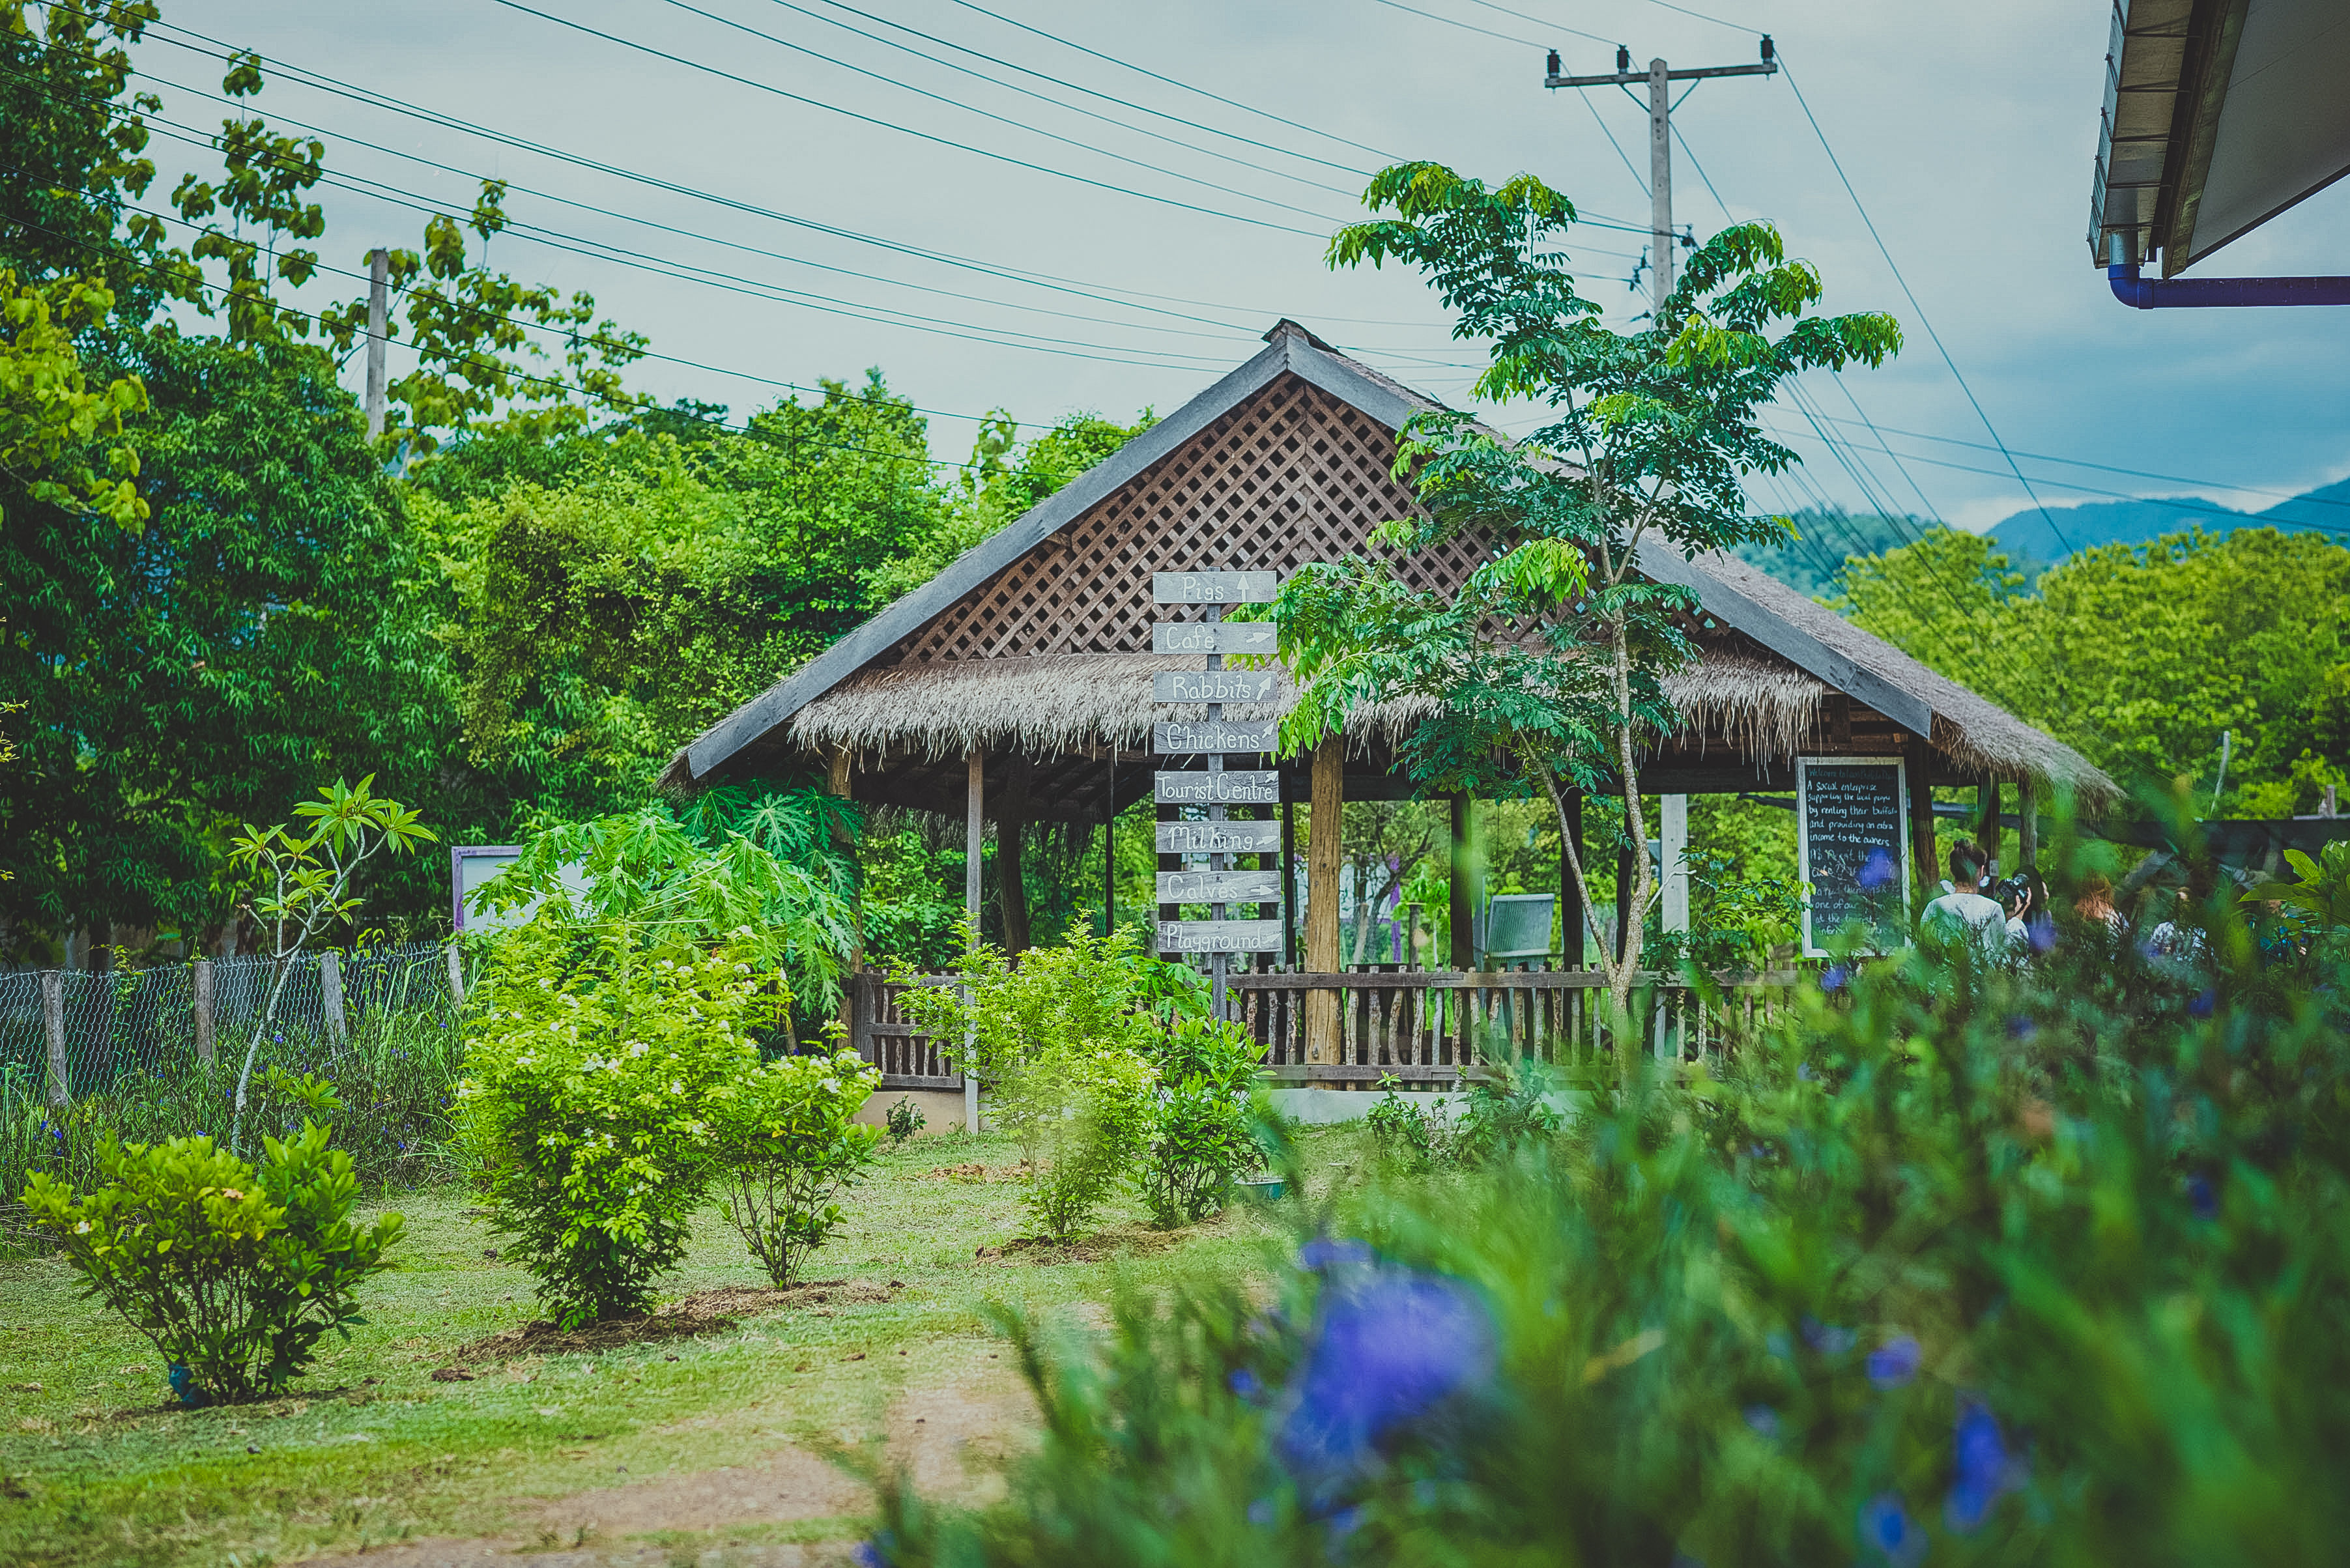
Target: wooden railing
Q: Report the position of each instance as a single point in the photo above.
(1427, 1028)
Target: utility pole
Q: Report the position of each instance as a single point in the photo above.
(1659, 78)
(379, 307)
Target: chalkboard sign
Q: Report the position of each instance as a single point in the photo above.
(1851, 817)
(1252, 786)
(1219, 837)
(1192, 737)
(1220, 935)
(1212, 686)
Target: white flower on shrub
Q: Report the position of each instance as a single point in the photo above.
(639, 1049)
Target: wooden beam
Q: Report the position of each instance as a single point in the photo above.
(1570, 902)
(1011, 830)
(1922, 812)
(2027, 825)
(1322, 851)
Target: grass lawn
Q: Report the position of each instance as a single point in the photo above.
(677, 1446)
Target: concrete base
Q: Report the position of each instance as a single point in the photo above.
(1324, 1107)
(941, 1110)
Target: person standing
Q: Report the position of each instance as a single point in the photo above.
(1963, 914)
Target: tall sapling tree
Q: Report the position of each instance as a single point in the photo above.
(1544, 669)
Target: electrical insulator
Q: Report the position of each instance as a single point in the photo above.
(1622, 61)
(1770, 51)
(1554, 62)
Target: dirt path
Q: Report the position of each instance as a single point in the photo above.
(952, 1436)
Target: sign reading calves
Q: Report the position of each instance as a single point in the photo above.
(1851, 817)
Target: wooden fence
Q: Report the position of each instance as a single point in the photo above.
(1426, 1028)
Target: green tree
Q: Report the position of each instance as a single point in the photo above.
(1650, 435)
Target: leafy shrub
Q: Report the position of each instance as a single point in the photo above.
(1950, 1263)
(1199, 1135)
(233, 1275)
(906, 1120)
(1403, 1128)
(789, 1147)
(1061, 1046)
(596, 1077)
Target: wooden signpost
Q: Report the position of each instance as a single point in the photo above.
(1222, 885)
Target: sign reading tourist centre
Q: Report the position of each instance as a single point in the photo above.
(1247, 786)
(1852, 819)
(1214, 587)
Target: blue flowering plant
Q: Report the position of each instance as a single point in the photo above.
(1893, 1280)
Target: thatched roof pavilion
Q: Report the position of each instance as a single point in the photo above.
(1017, 684)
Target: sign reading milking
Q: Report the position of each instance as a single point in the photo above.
(1219, 837)
(1190, 737)
(1212, 686)
(1250, 787)
(1257, 637)
(1214, 587)
(1219, 887)
(1220, 935)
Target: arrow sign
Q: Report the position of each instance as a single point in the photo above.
(1212, 686)
(1219, 837)
(1250, 787)
(1214, 587)
(1189, 738)
(1215, 636)
(1220, 935)
(1220, 886)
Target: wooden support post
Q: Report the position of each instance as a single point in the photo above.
(2027, 817)
(456, 974)
(1987, 818)
(1288, 881)
(839, 780)
(53, 1022)
(974, 844)
(1109, 849)
(1627, 869)
(1463, 897)
(1571, 921)
(1919, 756)
(330, 998)
(1672, 820)
(1011, 832)
(207, 1022)
(1322, 858)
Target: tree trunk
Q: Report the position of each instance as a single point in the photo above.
(1324, 851)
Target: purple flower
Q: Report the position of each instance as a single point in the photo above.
(1388, 1349)
(1322, 1253)
(1763, 1419)
(2021, 1028)
(868, 1554)
(2204, 1001)
(1985, 1468)
(1879, 869)
(1824, 1339)
(1886, 1529)
(1835, 977)
(2204, 1196)
(1894, 1363)
(2040, 930)
(1244, 1382)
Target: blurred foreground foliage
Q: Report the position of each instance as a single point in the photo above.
(1949, 1264)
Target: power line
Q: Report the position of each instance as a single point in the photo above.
(919, 135)
(1170, 81)
(1923, 320)
(1057, 81)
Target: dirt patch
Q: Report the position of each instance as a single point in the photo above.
(1091, 1249)
(461, 1554)
(791, 1484)
(974, 1172)
(705, 1312)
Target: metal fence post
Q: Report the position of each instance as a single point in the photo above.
(53, 1015)
(330, 997)
(202, 984)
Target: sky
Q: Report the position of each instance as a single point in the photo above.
(796, 217)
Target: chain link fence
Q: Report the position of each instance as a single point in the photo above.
(75, 1033)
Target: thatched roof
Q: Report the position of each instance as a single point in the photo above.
(1977, 734)
(1763, 685)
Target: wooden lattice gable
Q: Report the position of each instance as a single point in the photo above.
(1283, 460)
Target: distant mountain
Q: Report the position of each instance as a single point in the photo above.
(2030, 541)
